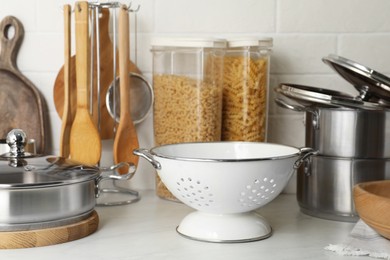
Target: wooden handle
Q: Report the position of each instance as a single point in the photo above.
(124, 47)
(67, 116)
(82, 61)
(104, 22)
(126, 136)
(10, 45)
(67, 54)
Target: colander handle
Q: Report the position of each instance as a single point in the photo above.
(305, 154)
(145, 153)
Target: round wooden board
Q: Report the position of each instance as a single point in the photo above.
(49, 236)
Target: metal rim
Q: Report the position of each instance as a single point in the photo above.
(310, 94)
(325, 97)
(136, 118)
(195, 159)
(38, 175)
(245, 240)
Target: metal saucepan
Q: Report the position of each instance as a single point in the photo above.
(345, 132)
(325, 184)
(46, 191)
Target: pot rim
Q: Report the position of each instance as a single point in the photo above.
(319, 97)
(24, 186)
(153, 151)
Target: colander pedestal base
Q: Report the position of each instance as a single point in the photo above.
(224, 228)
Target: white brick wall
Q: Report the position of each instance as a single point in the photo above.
(304, 31)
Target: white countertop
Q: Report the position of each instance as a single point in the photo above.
(146, 230)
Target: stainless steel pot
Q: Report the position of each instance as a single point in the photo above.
(45, 191)
(345, 132)
(325, 184)
(351, 135)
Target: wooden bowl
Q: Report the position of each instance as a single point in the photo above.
(372, 202)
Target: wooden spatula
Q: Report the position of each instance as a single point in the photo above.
(67, 116)
(126, 139)
(85, 143)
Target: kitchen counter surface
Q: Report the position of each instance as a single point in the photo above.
(146, 230)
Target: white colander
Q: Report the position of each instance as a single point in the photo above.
(225, 182)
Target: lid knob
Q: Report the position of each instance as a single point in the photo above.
(17, 139)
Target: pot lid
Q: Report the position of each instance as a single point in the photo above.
(312, 96)
(371, 84)
(19, 169)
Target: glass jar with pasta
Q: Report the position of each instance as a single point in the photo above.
(187, 84)
(245, 90)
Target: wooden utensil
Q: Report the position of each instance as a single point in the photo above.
(67, 116)
(85, 143)
(106, 77)
(126, 137)
(21, 104)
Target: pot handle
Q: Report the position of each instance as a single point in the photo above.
(305, 154)
(298, 108)
(130, 173)
(284, 104)
(144, 153)
(280, 102)
(116, 176)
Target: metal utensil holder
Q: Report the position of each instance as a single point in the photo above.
(94, 17)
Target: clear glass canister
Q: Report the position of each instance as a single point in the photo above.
(187, 84)
(245, 89)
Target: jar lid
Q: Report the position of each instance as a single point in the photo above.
(188, 42)
(312, 96)
(266, 42)
(371, 84)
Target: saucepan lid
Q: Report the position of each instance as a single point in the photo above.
(20, 169)
(319, 97)
(372, 85)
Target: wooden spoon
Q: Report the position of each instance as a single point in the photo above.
(67, 116)
(85, 143)
(126, 137)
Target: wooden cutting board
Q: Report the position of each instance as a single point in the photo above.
(49, 236)
(21, 104)
(106, 78)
